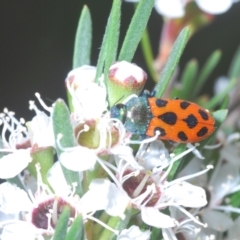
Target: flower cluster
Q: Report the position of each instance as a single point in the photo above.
(98, 168)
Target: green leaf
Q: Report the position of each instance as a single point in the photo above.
(109, 45)
(62, 225)
(112, 37)
(135, 30)
(218, 99)
(187, 80)
(76, 232)
(234, 70)
(116, 223)
(62, 125)
(172, 62)
(148, 54)
(83, 40)
(207, 69)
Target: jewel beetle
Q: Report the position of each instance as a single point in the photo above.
(174, 120)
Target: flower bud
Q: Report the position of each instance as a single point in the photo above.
(80, 76)
(124, 79)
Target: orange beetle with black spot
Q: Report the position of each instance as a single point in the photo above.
(172, 119)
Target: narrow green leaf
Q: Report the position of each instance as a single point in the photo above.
(83, 39)
(207, 69)
(172, 61)
(112, 37)
(109, 45)
(234, 70)
(135, 30)
(217, 99)
(188, 79)
(62, 225)
(148, 54)
(76, 232)
(116, 223)
(62, 125)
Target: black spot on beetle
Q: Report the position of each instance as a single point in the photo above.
(191, 121)
(184, 104)
(161, 103)
(203, 131)
(182, 136)
(161, 130)
(168, 117)
(203, 114)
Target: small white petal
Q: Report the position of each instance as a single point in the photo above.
(57, 180)
(103, 195)
(170, 8)
(126, 153)
(187, 195)
(153, 155)
(96, 197)
(20, 230)
(13, 163)
(214, 6)
(90, 108)
(217, 220)
(222, 182)
(79, 159)
(82, 75)
(117, 201)
(41, 130)
(155, 218)
(134, 233)
(13, 199)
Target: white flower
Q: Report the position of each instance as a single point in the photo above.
(224, 180)
(40, 128)
(14, 201)
(106, 194)
(187, 229)
(37, 214)
(88, 97)
(176, 8)
(150, 192)
(134, 233)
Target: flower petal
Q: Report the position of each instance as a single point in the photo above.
(103, 195)
(217, 220)
(155, 218)
(20, 230)
(170, 9)
(134, 233)
(9, 193)
(79, 159)
(214, 6)
(13, 163)
(187, 195)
